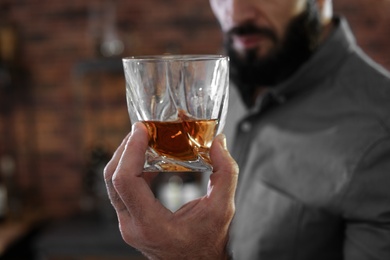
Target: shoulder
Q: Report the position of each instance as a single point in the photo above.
(367, 84)
(364, 72)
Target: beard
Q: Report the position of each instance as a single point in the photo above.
(248, 71)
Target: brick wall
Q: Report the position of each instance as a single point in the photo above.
(64, 107)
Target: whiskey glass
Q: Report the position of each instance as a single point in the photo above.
(182, 100)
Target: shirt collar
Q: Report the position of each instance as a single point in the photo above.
(324, 62)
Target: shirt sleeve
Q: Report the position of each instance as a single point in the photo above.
(366, 206)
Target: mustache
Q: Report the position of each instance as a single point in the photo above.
(250, 29)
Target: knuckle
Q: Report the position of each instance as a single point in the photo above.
(138, 236)
(233, 167)
(226, 215)
(108, 172)
(128, 236)
(230, 211)
(116, 180)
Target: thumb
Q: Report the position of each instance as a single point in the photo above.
(223, 180)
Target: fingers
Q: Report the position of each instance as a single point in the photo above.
(133, 154)
(108, 173)
(113, 163)
(128, 191)
(145, 224)
(128, 179)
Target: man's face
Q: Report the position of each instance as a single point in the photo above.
(267, 39)
(271, 16)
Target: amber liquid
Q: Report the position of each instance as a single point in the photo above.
(184, 139)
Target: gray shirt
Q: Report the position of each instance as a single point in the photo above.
(314, 157)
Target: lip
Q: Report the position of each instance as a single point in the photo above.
(248, 41)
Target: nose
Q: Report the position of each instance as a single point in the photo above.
(243, 11)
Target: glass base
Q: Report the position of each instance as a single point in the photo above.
(156, 163)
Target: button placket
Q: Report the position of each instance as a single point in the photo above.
(246, 126)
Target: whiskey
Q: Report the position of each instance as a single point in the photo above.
(185, 139)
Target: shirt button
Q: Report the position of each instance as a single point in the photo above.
(246, 126)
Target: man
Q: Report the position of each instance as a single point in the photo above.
(312, 142)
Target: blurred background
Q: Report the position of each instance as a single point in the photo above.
(63, 110)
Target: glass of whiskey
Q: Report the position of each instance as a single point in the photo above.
(182, 100)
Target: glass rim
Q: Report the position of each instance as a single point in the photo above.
(174, 57)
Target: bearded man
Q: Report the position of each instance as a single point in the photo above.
(310, 118)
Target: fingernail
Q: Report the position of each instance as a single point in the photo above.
(135, 126)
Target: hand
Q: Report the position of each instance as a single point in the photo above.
(198, 230)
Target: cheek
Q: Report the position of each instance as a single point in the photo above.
(220, 10)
